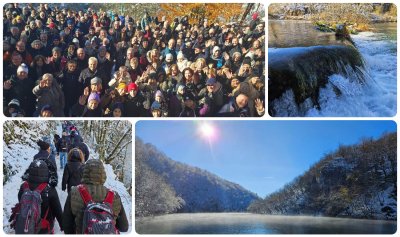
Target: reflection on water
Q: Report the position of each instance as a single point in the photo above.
(244, 223)
(285, 34)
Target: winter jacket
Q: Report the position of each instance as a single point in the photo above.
(134, 106)
(231, 109)
(50, 200)
(72, 172)
(72, 89)
(94, 177)
(53, 96)
(62, 144)
(79, 110)
(21, 90)
(86, 75)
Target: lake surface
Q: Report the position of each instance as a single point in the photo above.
(376, 98)
(245, 223)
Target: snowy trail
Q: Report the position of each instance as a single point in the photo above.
(22, 155)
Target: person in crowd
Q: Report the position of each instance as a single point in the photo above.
(76, 46)
(50, 203)
(49, 92)
(93, 179)
(73, 169)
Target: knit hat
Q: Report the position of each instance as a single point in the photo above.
(122, 86)
(216, 48)
(14, 103)
(118, 105)
(52, 25)
(38, 172)
(95, 80)
(132, 86)
(70, 22)
(94, 96)
(158, 93)
(254, 16)
(180, 55)
(155, 106)
(46, 108)
(211, 81)
(169, 57)
(22, 68)
(43, 145)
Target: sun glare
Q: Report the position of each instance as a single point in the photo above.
(207, 130)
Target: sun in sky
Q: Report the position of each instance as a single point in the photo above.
(207, 131)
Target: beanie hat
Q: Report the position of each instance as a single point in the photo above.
(215, 49)
(158, 93)
(56, 49)
(94, 96)
(14, 102)
(254, 16)
(211, 81)
(38, 172)
(95, 80)
(122, 86)
(46, 108)
(180, 55)
(43, 145)
(52, 25)
(155, 106)
(169, 56)
(132, 86)
(22, 68)
(118, 105)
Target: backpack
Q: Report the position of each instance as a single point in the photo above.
(98, 217)
(27, 213)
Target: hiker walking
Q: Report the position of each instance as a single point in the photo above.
(76, 210)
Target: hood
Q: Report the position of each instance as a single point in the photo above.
(94, 172)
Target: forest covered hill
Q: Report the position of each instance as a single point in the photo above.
(164, 186)
(358, 181)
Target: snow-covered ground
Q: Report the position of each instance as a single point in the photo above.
(19, 156)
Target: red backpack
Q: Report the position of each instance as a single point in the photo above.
(26, 215)
(98, 217)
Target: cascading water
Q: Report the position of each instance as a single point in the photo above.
(360, 91)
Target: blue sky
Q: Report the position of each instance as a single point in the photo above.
(262, 156)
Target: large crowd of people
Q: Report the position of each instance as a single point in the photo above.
(60, 62)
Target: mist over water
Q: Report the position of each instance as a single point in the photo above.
(245, 223)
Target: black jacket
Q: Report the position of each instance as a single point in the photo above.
(134, 106)
(72, 174)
